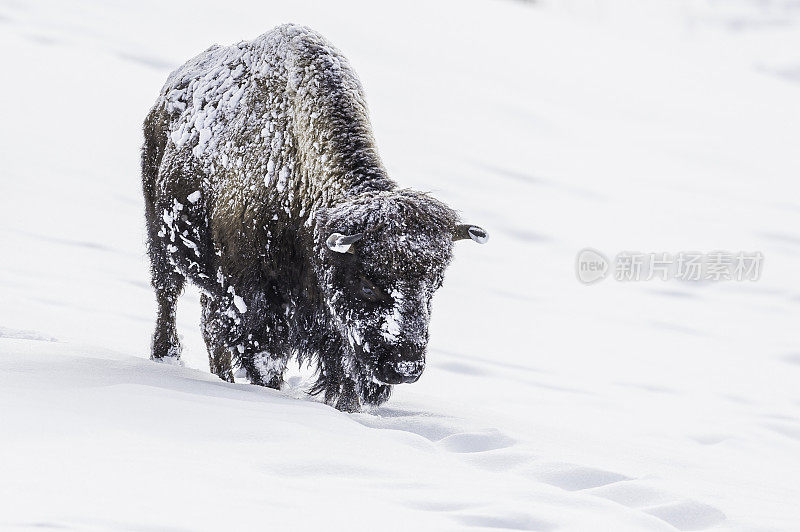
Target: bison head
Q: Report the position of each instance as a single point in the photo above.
(381, 256)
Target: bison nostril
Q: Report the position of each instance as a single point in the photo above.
(410, 368)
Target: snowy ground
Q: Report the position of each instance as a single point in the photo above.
(546, 405)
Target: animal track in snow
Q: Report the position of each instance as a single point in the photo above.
(632, 493)
(492, 450)
(507, 522)
(688, 515)
(573, 477)
(476, 442)
(432, 427)
(683, 514)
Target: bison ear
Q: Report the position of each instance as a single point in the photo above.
(464, 231)
(343, 243)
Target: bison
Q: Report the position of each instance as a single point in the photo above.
(263, 187)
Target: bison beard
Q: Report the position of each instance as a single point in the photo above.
(264, 188)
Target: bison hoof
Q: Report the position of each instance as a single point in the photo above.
(348, 403)
(169, 360)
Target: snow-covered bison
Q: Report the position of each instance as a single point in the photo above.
(263, 187)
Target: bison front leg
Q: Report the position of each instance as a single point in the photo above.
(347, 383)
(348, 399)
(352, 394)
(264, 368)
(231, 334)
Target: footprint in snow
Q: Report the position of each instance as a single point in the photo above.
(492, 450)
(508, 522)
(572, 477)
(688, 515)
(683, 514)
(476, 442)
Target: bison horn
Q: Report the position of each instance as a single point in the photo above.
(343, 243)
(463, 231)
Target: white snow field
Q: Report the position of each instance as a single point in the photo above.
(652, 126)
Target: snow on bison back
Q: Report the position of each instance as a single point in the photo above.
(263, 187)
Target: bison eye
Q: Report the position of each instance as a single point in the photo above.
(368, 290)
